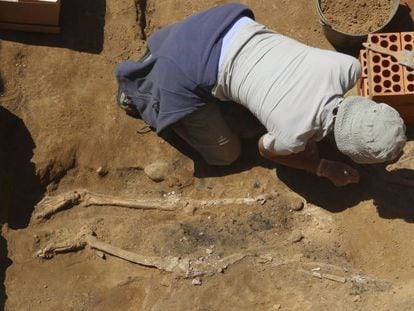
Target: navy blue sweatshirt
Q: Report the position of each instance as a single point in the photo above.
(179, 77)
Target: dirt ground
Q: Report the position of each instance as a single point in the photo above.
(357, 17)
(307, 246)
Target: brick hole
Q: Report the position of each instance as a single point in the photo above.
(385, 63)
(376, 59)
(396, 88)
(410, 77)
(396, 78)
(384, 43)
(395, 68)
(377, 79)
(377, 89)
(410, 88)
(393, 38)
(387, 83)
(374, 39)
(407, 38)
(408, 47)
(386, 73)
(393, 47)
(377, 69)
(387, 91)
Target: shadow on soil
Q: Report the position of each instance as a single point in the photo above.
(402, 20)
(393, 201)
(82, 28)
(4, 263)
(1, 84)
(20, 188)
(238, 119)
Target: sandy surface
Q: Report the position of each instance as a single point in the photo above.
(60, 130)
(357, 17)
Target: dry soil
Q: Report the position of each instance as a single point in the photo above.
(358, 16)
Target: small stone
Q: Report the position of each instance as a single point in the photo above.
(357, 298)
(220, 270)
(264, 259)
(100, 254)
(296, 236)
(190, 210)
(164, 283)
(157, 171)
(256, 184)
(209, 251)
(296, 205)
(196, 282)
(277, 306)
(101, 171)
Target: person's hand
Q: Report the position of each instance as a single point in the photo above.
(338, 173)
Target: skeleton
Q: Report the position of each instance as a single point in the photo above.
(184, 267)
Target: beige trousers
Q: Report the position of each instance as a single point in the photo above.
(207, 132)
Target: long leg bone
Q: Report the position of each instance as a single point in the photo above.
(184, 267)
(170, 264)
(106, 200)
(52, 205)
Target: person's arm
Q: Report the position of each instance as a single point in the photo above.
(308, 160)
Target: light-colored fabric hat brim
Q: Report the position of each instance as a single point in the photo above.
(368, 132)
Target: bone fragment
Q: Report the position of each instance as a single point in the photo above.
(328, 276)
(51, 205)
(51, 250)
(333, 277)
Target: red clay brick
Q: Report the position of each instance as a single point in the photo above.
(364, 63)
(385, 73)
(388, 81)
(407, 43)
(366, 92)
(363, 87)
